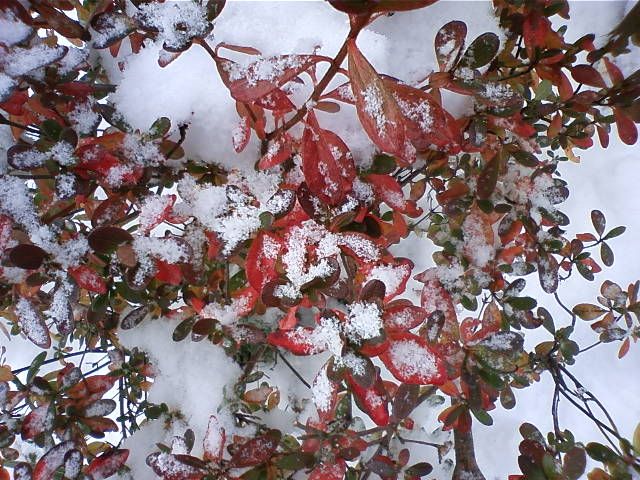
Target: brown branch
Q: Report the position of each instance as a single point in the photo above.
(466, 465)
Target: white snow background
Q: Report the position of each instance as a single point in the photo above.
(189, 90)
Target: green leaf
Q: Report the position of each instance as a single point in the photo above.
(507, 398)
(183, 329)
(35, 365)
(601, 453)
(481, 51)
(525, 158)
(615, 232)
(160, 127)
(296, 461)
(598, 220)
(606, 254)
(545, 89)
(482, 416)
(383, 164)
(522, 303)
(588, 311)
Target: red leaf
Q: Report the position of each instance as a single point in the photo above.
(241, 135)
(99, 425)
(326, 162)
(329, 471)
(32, 323)
(534, 31)
(299, 341)
(14, 105)
(403, 317)
(388, 190)
(588, 75)
(279, 150)
(154, 211)
(266, 74)
(51, 461)
(168, 272)
(37, 421)
(88, 279)
(377, 110)
(277, 101)
(107, 464)
(394, 276)
(325, 395)
(627, 130)
(214, 440)
(448, 43)
(176, 467)
(256, 451)
(372, 400)
(624, 348)
(90, 389)
(615, 74)
(262, 258)
(410, 360)
(427, 123)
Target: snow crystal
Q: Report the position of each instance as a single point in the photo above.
(476, 244)
(364, 321)
(175, 21)
(322, 390)
(31, 322)
(6, 84)
(84, 118)
(226, 314)
(142, 152)
(411, 358)
(166, 249)
(22, 61)
(295, 259)
(73, 58)
(374, 108)
(65, 185)
(151, 211)
(263, 69)
(12, 29)
(390, 275)
(420, 113)
(354, 363)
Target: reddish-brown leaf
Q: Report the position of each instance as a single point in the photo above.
(448, 43)
(262, 258)
(403, 317)
(241, 134)
(588, 75)
(627, 130)
(299, 341)
(88, 279)
(427, 123)
(388, 190)
(377, 110)
(278, 151)
(51, 461)
(329, 471)
(266, 74)
(256, 451)
(214, 440)
(107, 464)
(37, 421)
(176, 467)
(372, 400)
(326, 162)
(410, 360)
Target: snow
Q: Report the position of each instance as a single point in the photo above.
(191, 377)
(12, 29)
(364, 321)
(411, 358)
